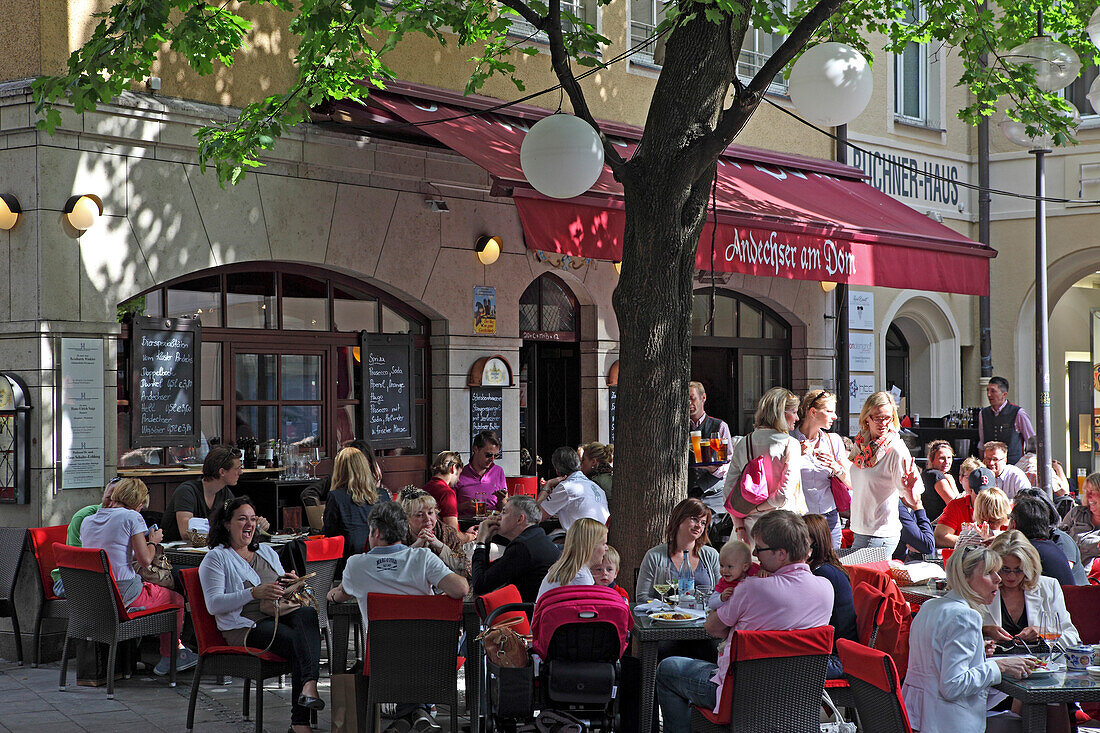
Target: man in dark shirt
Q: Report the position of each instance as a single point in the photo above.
(198, 497)
(1032, 517)
(528, 556)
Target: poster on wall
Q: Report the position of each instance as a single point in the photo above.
(861, 310)
(485, 309)
(82, 413)
(861, 352)
(860, 387)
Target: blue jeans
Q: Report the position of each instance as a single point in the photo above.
(681, 683)
(833, 518)
(866, 540)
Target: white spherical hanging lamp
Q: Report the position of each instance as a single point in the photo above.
(831, 84)
(1056, 64)
(1016, 132)
(1094, 95)
(1093, 27)
(561, 156)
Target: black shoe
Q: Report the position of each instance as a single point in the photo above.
(313, 703)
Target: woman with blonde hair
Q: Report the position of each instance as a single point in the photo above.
(823, 457)
(884, 471)
(354, 491)
(949, 676)
(425, 530)
(596, 459)
(776, 415)
(585, 543)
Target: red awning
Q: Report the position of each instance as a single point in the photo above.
(778, 215)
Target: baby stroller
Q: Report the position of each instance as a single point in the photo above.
(580, 632)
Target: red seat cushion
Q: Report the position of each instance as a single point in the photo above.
(493, 600)
(42, 542)
(324, 548)
(226, 649)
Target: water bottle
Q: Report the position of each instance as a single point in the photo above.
(685, 584)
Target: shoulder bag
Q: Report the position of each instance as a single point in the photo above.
(503, 646)
(752, 488)
(298, 595)
(159, 571)
(842, 493)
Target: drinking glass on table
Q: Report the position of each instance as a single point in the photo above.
(662, 584)
(314, 459)
(1048, 631)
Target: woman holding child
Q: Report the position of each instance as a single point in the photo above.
(686, 533)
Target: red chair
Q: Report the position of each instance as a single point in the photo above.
(412, 638)
(42, 540)
(522, 485)
(322, 556)
(1082, 602)
(218, 658)
(98, 613)
(885, 621)
(774, 683)
(506, 596)
(870, 606)
(876, 688)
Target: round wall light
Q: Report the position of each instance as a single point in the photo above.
(618, 266)
(82, 210)
(828, 286)
(488, 249)
(9, 211)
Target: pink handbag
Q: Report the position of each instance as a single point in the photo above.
(752, 488)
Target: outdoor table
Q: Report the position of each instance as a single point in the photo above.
(918, 594)
(1035, 693)
(343, 614)
(649, 633)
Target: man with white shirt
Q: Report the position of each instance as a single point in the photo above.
(392, 567)
(1003, 421)
(572, 495)
(1009, 478)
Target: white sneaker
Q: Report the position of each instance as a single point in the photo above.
(185, 660)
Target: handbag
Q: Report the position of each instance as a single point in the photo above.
(503, 646)
(752, 488)
(159, 571)
(298, 595)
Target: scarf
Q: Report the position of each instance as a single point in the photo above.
(867, 453)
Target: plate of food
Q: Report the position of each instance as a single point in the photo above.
(677, 616)
(1041, 668)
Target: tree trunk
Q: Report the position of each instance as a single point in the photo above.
(666, 194)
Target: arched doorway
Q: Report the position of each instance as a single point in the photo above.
(897, 360)
(740, 354)
(279, 360)
(921, 354)
(550, 372)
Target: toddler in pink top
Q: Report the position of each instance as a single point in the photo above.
(735, 564)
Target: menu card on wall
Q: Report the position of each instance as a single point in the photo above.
(386, 362)
(164, 381)
(487, 410)
(82, 413)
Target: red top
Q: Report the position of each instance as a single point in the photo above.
(722, 583)
(444, 496)
(957, 512)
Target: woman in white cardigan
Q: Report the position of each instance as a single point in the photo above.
(949, 675)
(236, 575)
(776, 416)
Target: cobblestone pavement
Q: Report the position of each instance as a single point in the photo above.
(30, 702)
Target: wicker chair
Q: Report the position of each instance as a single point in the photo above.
(774, 683)
(322, 556)
(97, 612)
(42, 540)
(413, 651)
(218, 658)
(864, 555)
(876, 687)
(12, 542)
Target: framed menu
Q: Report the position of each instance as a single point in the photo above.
(82, 413)
(164, 381)
(386, 364)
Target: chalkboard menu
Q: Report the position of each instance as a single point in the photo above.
(612, 395)
(386, 362)
(164, 381)
(486, 410)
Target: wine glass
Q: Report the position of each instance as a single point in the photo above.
(1048, 632)
(662, 583)
(314, 459)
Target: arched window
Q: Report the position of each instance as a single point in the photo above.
(739, 354)
(548, 311)
(280, 344)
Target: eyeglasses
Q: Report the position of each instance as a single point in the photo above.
(1011, 571)
(760, 550)
(881, 419)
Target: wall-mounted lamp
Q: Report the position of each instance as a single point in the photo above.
(618, 266)
(9, 210)
(488, 249)
(82, 210)
(828, 286)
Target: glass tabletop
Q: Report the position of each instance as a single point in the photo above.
(1055, 687)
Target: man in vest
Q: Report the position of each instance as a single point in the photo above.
(706, 481)
(1003, 421)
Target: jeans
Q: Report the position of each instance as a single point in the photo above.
(866, 540)
(833, 669)
(833, 518)
(681, 683)
(297, 640)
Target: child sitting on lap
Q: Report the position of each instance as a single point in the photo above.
(735, 564)
(607, 570)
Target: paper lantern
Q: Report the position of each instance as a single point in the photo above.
(831, 84)
(1056, 64)
(561, 156)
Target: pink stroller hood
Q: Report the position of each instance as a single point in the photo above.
(573, 604)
